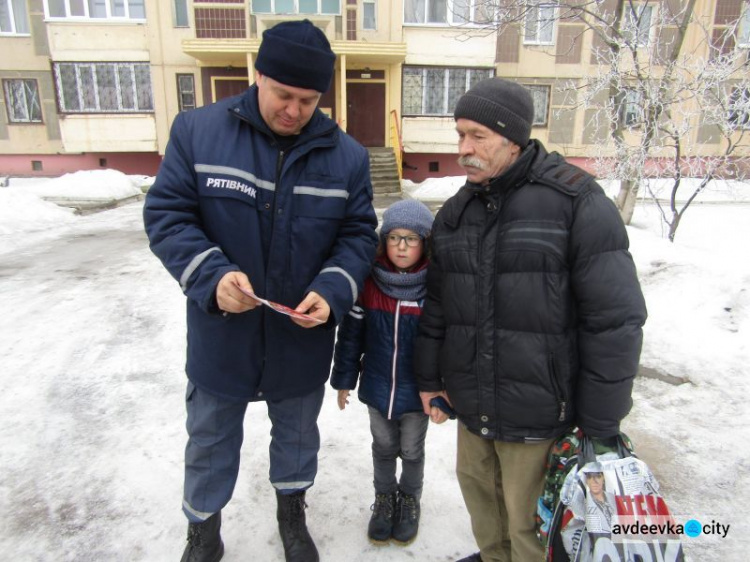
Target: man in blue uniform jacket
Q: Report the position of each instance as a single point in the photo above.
(261, 193)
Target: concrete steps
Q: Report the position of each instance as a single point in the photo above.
(384, 171)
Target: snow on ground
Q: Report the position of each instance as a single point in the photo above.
(93, 348)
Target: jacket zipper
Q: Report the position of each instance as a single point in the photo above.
(393, 360)
(557, 387)
(279, 164)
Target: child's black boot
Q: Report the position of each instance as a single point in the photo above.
(381, 522)
(406, 521)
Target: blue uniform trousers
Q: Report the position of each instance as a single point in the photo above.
(215, 433)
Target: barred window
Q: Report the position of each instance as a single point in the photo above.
(186, 91)
(296, 6)
(631, 112)
(96, 9)
(13, 17)
(433, 90)
(739, 108)
(540, 95)
(539, 24)
(103, 87)
(637, 24)
(22, 101)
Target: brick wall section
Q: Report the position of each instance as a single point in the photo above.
(673, 8)
(722, 42)
(508, 40)
(561, 125)
(569, 39)
(220, 23)
(600, 52)
(727, 11)
(665, 44)
(594, 129)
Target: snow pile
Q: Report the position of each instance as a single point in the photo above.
(433, 189)
(25, 212)
(84, 185)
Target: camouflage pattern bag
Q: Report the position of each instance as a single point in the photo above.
(563, 452)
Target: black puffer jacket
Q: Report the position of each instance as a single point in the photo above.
(533, 317)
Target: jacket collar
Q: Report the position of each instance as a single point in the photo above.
(511, 179)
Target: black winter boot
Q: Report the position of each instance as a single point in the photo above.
(298, 544)
(381, 522)
(471, 558)
(204, 541)
(406, 521)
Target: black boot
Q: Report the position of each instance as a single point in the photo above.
(204, 541)
(298, 544)
(471, 558)
(406, 521)
(381, 522)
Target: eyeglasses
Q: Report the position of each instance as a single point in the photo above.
(411, 240)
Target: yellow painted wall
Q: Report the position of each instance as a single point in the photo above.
(108, 133)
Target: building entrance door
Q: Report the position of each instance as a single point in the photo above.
(365, 112)
(225, 86)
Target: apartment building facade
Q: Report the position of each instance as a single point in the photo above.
(97, 83)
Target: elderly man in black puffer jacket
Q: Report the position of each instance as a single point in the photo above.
(533, 318)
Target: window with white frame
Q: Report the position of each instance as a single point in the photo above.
(539, 24)
(540, 95)
(435, 90)
(636, 28)
(739, 108)
(13, 17)
(369, 20)
(471, 11)
(186, 91)
(296, 6)
(96, 9)
(22, 101)
(743, 32)
(103, 87)
(631, 111)
(448, 11)
(181, 13)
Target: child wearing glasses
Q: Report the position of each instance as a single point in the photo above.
(375, 346)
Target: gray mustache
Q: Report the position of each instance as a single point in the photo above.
(470, 161)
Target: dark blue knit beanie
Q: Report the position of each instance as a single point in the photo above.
(296, 53)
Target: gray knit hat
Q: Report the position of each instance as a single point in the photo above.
(410, 214)
(297, 53)
(504, 106)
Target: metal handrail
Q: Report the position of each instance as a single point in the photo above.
(396, 142)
